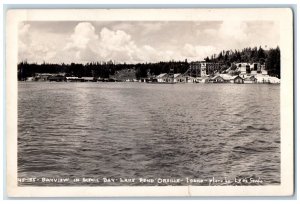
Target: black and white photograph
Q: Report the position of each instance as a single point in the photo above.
(154, 102)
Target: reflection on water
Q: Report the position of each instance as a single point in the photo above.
(149, 130)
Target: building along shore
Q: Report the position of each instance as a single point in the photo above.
(198, 72)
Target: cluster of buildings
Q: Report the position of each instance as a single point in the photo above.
(205, 72)
(198, 72)
(60, 77)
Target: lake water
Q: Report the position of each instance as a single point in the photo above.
(151, 131)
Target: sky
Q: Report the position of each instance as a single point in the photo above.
(139, 41)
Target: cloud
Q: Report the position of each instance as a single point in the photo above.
(240, 34)
(148, 53)
(34, 46)
(233, 30)
(114, 39)
(110, 44)
(117, 45)
(84, 34)
(134, 42)
(83, 43)
(23, 39)
(197, 52)
(107, 45)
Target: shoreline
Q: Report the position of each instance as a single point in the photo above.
(109, 82)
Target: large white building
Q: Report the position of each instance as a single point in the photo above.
(248, 68)
(203, 68)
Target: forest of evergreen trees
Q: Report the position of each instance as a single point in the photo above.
(271, 59)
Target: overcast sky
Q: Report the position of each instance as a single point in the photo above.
(132, 42)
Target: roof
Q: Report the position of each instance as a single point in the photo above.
(88, 78)
(244, 76)
(161, 75)
(236, 76)
(262, 76)
(274, 79)
(249, 78)
(226, 76)
(243, 63)
(176, 75)
(268, 78)
(55, 76)
(216, 77)
(44, 74)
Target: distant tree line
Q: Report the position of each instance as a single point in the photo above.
(96, 69)
(271, 59)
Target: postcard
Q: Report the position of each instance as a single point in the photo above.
(149, 102)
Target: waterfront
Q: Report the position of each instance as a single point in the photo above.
(132, 130)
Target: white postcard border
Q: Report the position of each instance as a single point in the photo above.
(285, 17)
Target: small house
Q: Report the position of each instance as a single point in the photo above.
(237, 80)
(72, 79)
(250, 80)
(274, 80)
(162, 78)
(266, 79)
(205, 80)
(57, 78)
(42, 76)
(88, 79)
(217, 79)
(262, 78)
(144, 80)
(226, 77)
(179, 78)
(191, 80)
